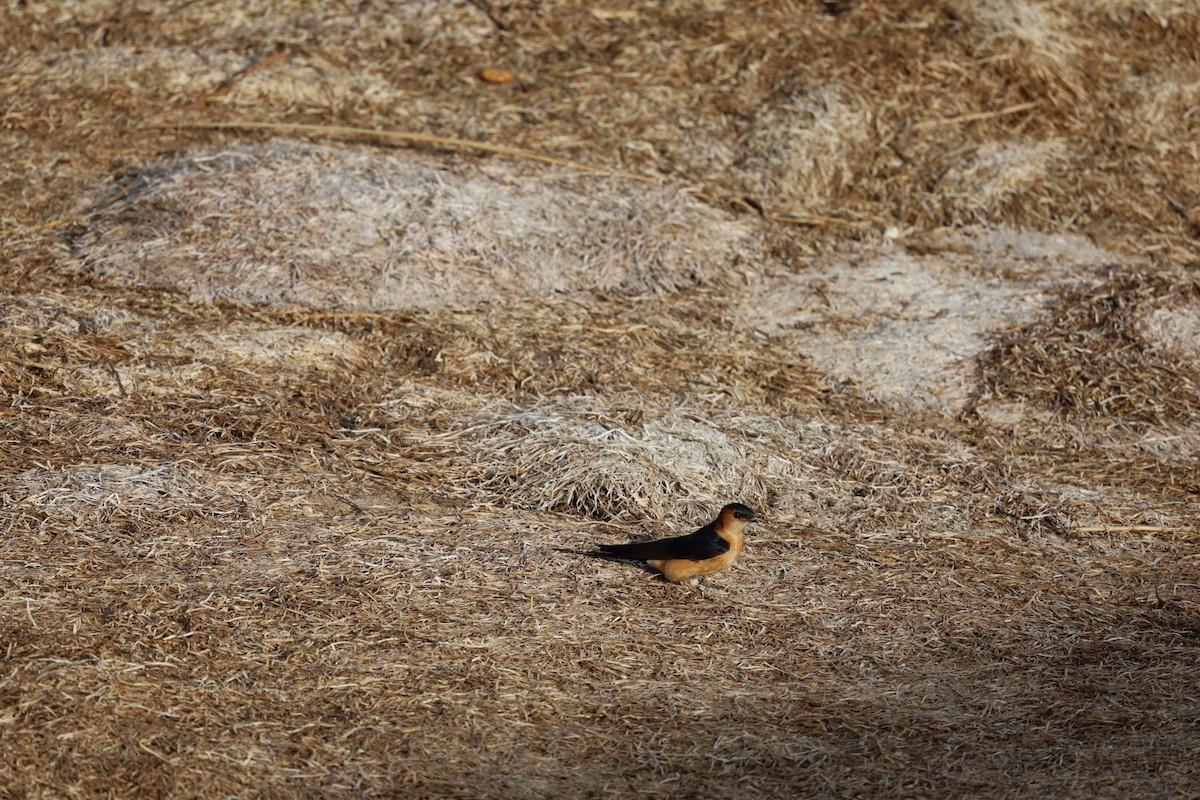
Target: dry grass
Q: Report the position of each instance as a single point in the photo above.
(294, 431)
(364, 232)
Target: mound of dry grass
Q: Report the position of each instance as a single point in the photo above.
(350, 230)
(800, 148)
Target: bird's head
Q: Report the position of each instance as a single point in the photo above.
(737, 514)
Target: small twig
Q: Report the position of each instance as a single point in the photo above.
(117, 376)
(486, 8)
(936, 123)
(281, 52)
(28, 364)
(401, 136)
(54, 223)
(812, 534)
(1128, 528)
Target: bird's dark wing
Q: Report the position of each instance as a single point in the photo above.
(704, 543)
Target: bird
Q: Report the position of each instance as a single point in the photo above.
(684, 559)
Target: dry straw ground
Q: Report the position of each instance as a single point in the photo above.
(297, 416)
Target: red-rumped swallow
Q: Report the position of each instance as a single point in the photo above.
(683, 559)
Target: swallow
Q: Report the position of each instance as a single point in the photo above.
(683, 559)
